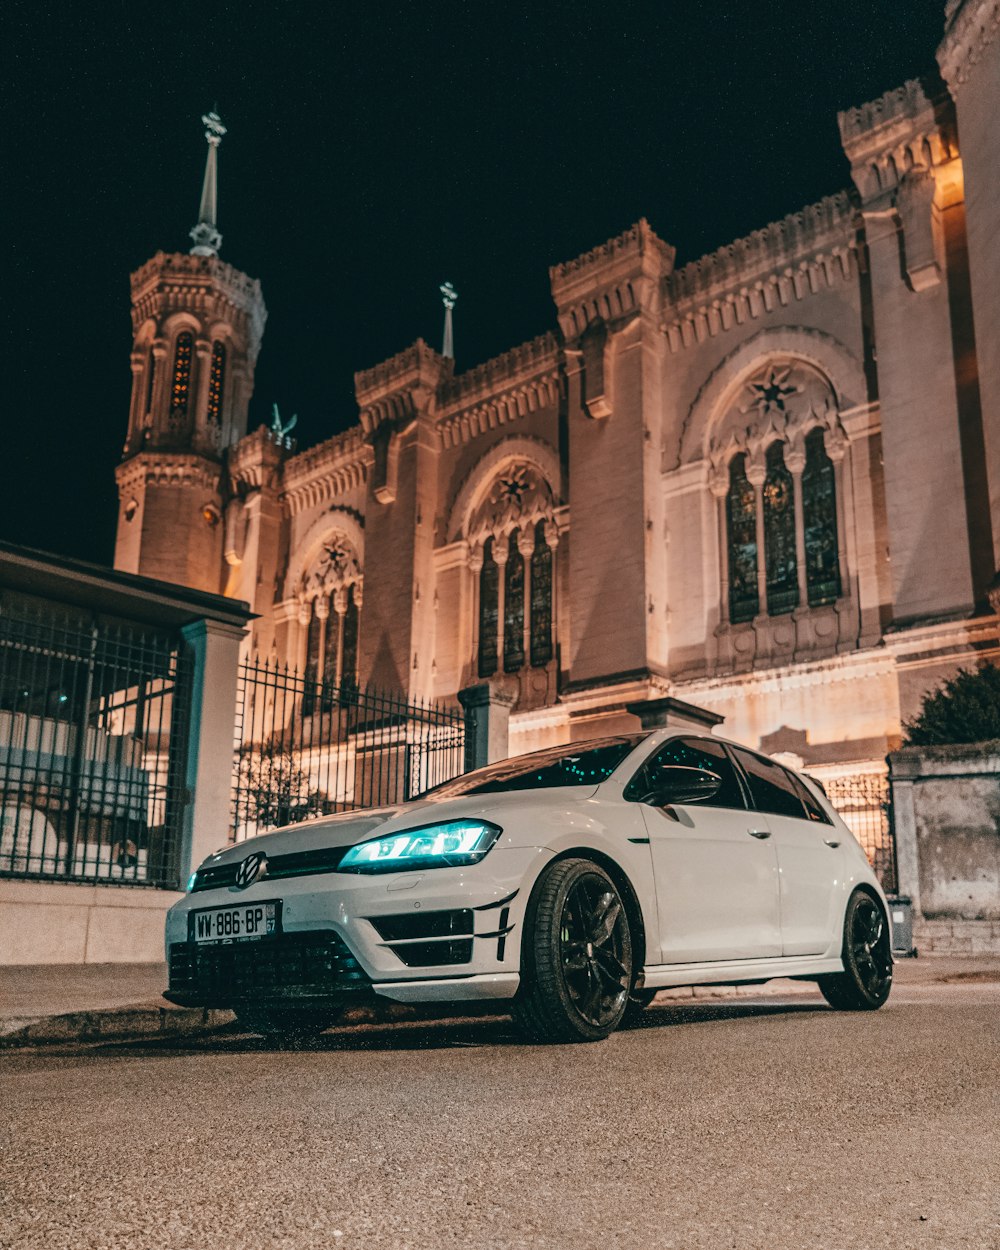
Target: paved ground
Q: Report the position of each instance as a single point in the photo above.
(775, 1124)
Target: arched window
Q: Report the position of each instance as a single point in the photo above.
(741, 524)
(150, 379)
(541, 599)
(819, 516)
(216, 380)
(352, 627)
(513, 608)
(489, 587)
(779, 534)
(180, 390)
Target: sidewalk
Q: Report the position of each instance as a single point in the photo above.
(90, 1002)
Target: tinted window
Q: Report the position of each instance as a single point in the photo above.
(813, 809)
(700, 753)
(771, 787)
(579, 764)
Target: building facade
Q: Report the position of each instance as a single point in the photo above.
(766, 483)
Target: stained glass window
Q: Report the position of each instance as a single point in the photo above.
(352, 627)
(216, 379)
(513, 609)
(819, 514)
(489, 609)
(180, 390)
(741, 521)
(779, 534)
(541, 599)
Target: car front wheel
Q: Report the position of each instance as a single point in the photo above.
(576, 956)
(865, 983)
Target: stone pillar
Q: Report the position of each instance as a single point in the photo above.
(718, 483)
(526, 546)
(322, 609)
(215, 649)
(340, 608)
(487, 721)
(795, 462)
(475, 568)
(501, 552)
(756, 472)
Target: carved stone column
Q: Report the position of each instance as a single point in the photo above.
(321, 606)
(526, 546)
(552, 542)
(795, 462)
(475, 558)
(756, 473)
(501, 552)
(340, 609)
(718, 484)
(202, 370)
(301, 655)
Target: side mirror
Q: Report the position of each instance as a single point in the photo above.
(673, 783)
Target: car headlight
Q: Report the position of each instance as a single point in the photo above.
(450, 845)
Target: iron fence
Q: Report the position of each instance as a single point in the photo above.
(863, 802)
(306, 748)
(93, 725)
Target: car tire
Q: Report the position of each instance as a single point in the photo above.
(865, 983)
(576, 956)
(286, 1025)
(636, 1006)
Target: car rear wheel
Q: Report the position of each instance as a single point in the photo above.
(865, 983)
(576, 956)
(286, 1025)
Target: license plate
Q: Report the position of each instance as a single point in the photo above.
(241, 923)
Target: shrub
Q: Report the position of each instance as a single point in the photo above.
(965, 708)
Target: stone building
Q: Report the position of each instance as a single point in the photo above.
(766, 483)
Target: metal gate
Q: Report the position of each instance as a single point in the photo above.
(93, 734)
(863, 803)
(305, 748)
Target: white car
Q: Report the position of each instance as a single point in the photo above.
(571, 884)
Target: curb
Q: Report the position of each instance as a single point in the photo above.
(143, 1023)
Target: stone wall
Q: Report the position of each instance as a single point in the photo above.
(946, 805)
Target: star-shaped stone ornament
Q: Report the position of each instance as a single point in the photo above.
(769, 393)
(512, 488)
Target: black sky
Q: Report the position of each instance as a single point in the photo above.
(375, 150)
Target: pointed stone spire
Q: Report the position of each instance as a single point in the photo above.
(449, 297)
(207, 238)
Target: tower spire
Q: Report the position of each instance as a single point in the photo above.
(207, 238)
(449, 297)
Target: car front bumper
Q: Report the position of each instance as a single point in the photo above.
(438, 935)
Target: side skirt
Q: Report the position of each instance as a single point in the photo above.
(661, 976)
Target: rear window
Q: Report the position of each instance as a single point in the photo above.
(579, 764)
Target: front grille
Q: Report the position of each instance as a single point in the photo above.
(401, 933)
(290, 966)
(293, 864)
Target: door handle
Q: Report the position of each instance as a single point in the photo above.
(834, 842)
(759, 833)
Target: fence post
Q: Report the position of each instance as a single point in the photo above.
(902, 773)
(215, 651)
(487, 721)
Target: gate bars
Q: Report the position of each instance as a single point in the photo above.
(306, 748)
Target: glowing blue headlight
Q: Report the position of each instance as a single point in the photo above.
(191, 880)
(450, 845)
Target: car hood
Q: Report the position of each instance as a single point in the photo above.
(347, 828)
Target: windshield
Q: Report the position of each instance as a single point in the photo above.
(578, 764)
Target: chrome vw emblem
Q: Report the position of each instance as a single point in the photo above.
(251, 869)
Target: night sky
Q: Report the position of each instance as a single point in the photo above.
(374, 151)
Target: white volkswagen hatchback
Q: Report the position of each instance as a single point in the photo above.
(571, 884)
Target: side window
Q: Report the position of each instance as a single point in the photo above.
(706, 754)
(813, 809)
(770, 785)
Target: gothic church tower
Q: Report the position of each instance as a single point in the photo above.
(197, 324)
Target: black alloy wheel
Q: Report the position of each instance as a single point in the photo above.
(865, 983)
(576, 956)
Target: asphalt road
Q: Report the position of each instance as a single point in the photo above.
(774, 1123)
